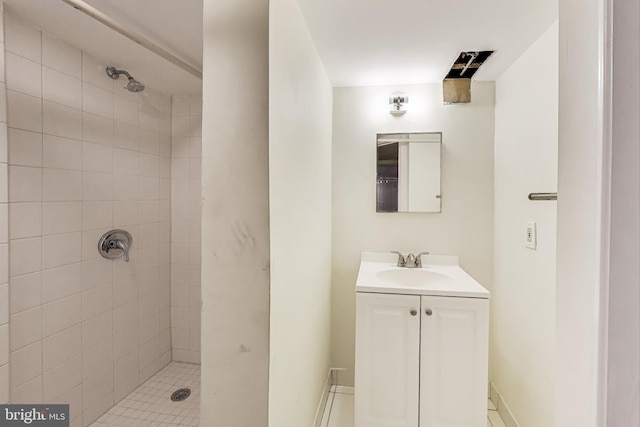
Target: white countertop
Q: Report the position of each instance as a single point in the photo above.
(439, 276)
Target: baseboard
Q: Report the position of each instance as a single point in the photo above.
(330, 381)
(323, 400)
(503, 409)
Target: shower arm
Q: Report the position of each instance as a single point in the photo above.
(137, 38)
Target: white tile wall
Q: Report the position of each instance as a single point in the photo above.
(186, 160)
(84, 156)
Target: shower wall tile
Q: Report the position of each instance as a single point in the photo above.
(98, 385)
(60, 315)
(5, 350)
(25, 256)
(25, 328)
(61, 185)
(61, 282)
(97, 101)
(93, 72)
(97, 158)
(4, 155)
(31, 391)
(25, 220)
(126, 375)
(61, 56)
(98, 356)
(23, 75)
(126, 161)
(126, 111)
(25, 184)
(149, 142)
(25, 292)
(4, 296)
(3, 101)
(97, 300)
(61, 217)
(97, 186)
(61, 249)
(62, 378)
(4, 271)
(26, 364)
(61, 347)
(125, 213)
(24, 111)
(97, 129)
(22, 38)
(25, 148)
(61, 88)
(97, 215)
(126, 136)
(61, 153)
(181, 105)
(82, 158)
(60, 120)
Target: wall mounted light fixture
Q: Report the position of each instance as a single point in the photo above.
(397, 103)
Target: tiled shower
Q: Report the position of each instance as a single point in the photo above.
(83, 156)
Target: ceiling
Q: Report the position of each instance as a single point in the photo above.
(376, 42)
(361, 42)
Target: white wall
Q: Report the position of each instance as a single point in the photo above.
(186, 230)
(523, 293)
(235, 215)
(85, 156)
(465, 226)
(300, 109)
(580, 250)
(623, 352)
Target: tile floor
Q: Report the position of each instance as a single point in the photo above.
(339, 409)
(150, 404)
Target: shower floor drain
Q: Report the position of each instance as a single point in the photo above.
(180, 394)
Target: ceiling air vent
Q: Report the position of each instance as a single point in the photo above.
(457, 83)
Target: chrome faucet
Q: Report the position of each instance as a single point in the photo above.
(419, 259)
(411, 261)
(121, 244)
(401, 261)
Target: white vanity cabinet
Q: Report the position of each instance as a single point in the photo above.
(421, 352)
(421, 361)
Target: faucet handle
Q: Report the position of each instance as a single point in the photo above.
(401, 261)
(419, 259)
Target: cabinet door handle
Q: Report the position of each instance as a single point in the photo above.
(413, 312)
(428, 312)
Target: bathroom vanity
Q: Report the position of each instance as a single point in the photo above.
(421, 344)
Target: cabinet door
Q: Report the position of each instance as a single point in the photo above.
(387, 360)
(454, 362)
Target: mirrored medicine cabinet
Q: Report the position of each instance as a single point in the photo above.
(408, 172)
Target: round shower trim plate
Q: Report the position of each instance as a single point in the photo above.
(113, 72)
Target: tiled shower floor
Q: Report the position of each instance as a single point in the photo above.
(151, 405)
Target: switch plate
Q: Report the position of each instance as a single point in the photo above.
(531, 241)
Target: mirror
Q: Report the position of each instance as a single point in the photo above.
(408, 172)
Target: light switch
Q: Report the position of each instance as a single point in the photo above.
(531, 237)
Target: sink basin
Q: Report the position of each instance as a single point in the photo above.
(440, 275)
(413, 277)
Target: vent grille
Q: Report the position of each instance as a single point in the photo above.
(467, 63)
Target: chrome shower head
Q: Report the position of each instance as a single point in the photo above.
(133, 85)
